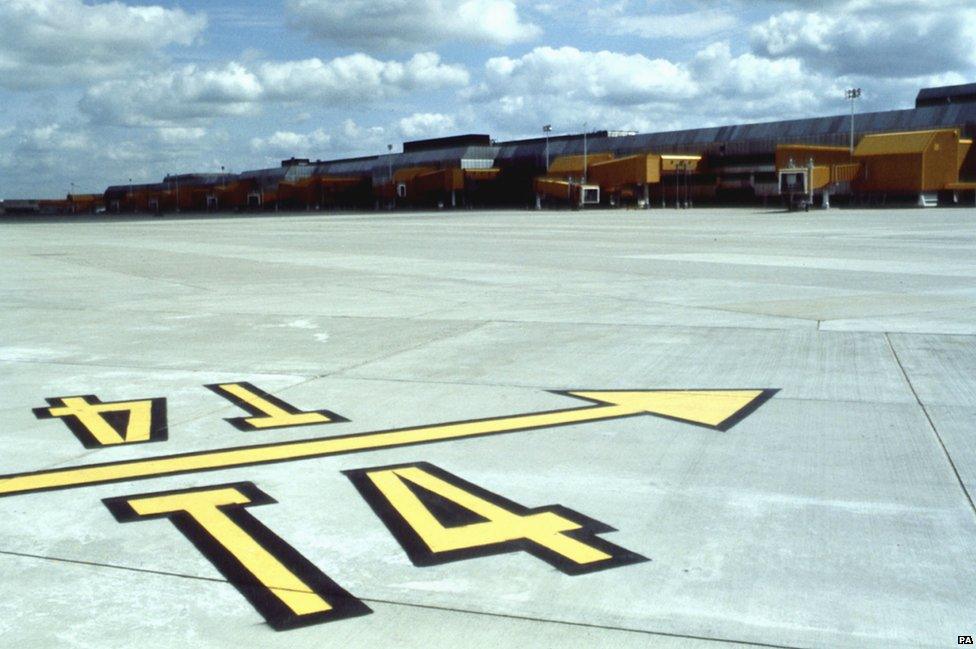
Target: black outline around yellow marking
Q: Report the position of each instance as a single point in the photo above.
(421, 555)
(354, 443)
(158, 427)
(241, 423)
(275, 612)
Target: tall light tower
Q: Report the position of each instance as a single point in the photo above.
(584, 152)
(852, 95)
(389, 168)
(547, 129)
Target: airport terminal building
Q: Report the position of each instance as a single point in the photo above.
(921, 155)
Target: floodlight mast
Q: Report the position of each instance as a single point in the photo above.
(389, 167)
(547, 129)
(584, 152)
(852, 94)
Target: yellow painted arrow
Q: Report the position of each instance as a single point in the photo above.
(716, 409)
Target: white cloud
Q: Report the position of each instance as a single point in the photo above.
(195, 93)
(612, 90)
(52, 138)
(37, 151)
(180, 135)
(568, 74)
(424, 125)
(409, 24)
(886, 39)
(289, 143)
(357, 77)
(182, 94)
(749, 87)
(52, 42)
(632, 18)
(319, 143)
(690, 25)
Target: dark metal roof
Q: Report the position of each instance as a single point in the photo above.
(362, 166)
(265, 178)
(204, 179)
(469, 139)
(122, 190)
(446, 157)
(946, 95)
(753, 138)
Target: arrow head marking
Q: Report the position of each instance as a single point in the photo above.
(716, 409)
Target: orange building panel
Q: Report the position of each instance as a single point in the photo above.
(909, 162)
(671, 163)
(482, 175)
(845, 173)
(632, 170)
(442, 180)
(555, 188)
(965, 146)
(572, 165)
(801, 154)
(821, 177)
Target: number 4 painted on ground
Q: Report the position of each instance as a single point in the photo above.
(97, 424)
(437, 517)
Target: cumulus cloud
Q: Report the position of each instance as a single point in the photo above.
(37, 150)
(288, 143)
(345, 138)
(195, 93)
(886, 39)
(408, 24)
(753, 87)
(423, 125)
(357, 77)
(632, 92)
(174, 95)
(52, 42)
(51, 138)
(632, 18)
(603, 77)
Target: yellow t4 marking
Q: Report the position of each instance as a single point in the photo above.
(466, 521)
(111, 423)
(268, 411)
(280, 583)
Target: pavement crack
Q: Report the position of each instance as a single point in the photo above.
(935, 431)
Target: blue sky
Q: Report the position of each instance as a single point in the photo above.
(94, 93)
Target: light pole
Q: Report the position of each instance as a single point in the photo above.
(584, 153)
(852, 94)
(547, 129)
(130, 197)
(389, 168)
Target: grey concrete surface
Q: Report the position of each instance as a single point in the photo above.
(839, 514)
